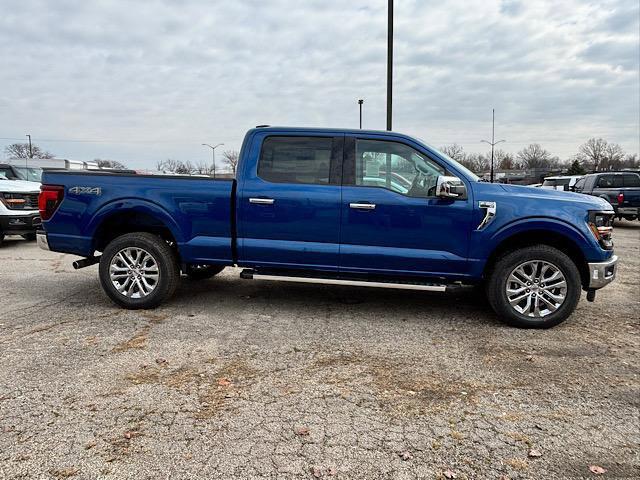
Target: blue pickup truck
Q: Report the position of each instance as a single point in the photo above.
(333, 206)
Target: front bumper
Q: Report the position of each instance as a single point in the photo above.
(601, 274)
(19, 224)
(41, 240)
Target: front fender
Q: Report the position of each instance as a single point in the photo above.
(542, 224)
(484, 244)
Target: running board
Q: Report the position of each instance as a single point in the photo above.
(431, 287)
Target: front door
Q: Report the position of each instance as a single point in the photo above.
(392, 222)
(289, 203)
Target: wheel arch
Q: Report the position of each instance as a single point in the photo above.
(539, 236)
(124, 217)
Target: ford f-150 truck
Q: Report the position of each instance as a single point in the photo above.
(348, 207)
(18, 208)
(620, 189)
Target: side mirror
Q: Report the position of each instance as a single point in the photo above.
(450, 187)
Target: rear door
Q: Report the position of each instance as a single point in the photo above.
(631, 190)
(289, 202)
(392, 222)
(608, 186)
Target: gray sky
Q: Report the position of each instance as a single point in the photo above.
(143, 81)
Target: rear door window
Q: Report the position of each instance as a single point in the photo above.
(631, 180)
(610, 181)
(296, 160)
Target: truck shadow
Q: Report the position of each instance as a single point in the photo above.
(229, 292)
(626, 224)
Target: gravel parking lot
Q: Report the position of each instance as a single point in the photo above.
(238, 379)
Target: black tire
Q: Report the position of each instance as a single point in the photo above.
(202, 272)
(165, 258)
(497, 282)
(29, 237)
(631, 218)
(1, 238)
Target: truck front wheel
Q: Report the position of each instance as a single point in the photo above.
(139, 270)
(534, 287)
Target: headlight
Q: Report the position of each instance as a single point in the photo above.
(600, 225)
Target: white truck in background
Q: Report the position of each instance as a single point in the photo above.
(19, 213)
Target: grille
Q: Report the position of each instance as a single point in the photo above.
(31, 202)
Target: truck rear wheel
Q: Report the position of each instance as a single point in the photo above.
(139, 270)
(202, 272)
(534, 287)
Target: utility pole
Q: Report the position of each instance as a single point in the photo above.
(493, 142)
(360, 102)
(213, 156)
(26, 161)
(389, 63)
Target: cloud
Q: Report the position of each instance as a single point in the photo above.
(142, 81)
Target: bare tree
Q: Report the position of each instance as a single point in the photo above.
(631, 161)
(476, 162)
(504, 160)
(592, 153)
(21, 150)
(534, 156)
(203, 168)
(613, 157)
(185, 168)
(176, 166)
(110, 164)
(230, 158)
(455, 151)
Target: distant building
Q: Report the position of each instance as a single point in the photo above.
(52, 163)
(520, 177)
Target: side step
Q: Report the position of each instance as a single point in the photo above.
(249, 274)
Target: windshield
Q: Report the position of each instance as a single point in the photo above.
(7, 173)
(29, 173)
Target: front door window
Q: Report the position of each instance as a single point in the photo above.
(396, 167)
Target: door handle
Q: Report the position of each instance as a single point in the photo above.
(262, 201)
(363, 206)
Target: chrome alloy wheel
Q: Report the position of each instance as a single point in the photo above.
(536, 288)
(134, 272)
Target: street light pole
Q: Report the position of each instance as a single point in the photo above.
(360, 102)
(389, 63)
(26, 161)
(213, 156)
(493, 142)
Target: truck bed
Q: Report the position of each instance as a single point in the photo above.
(198, 212)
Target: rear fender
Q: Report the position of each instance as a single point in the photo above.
(128, 205)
